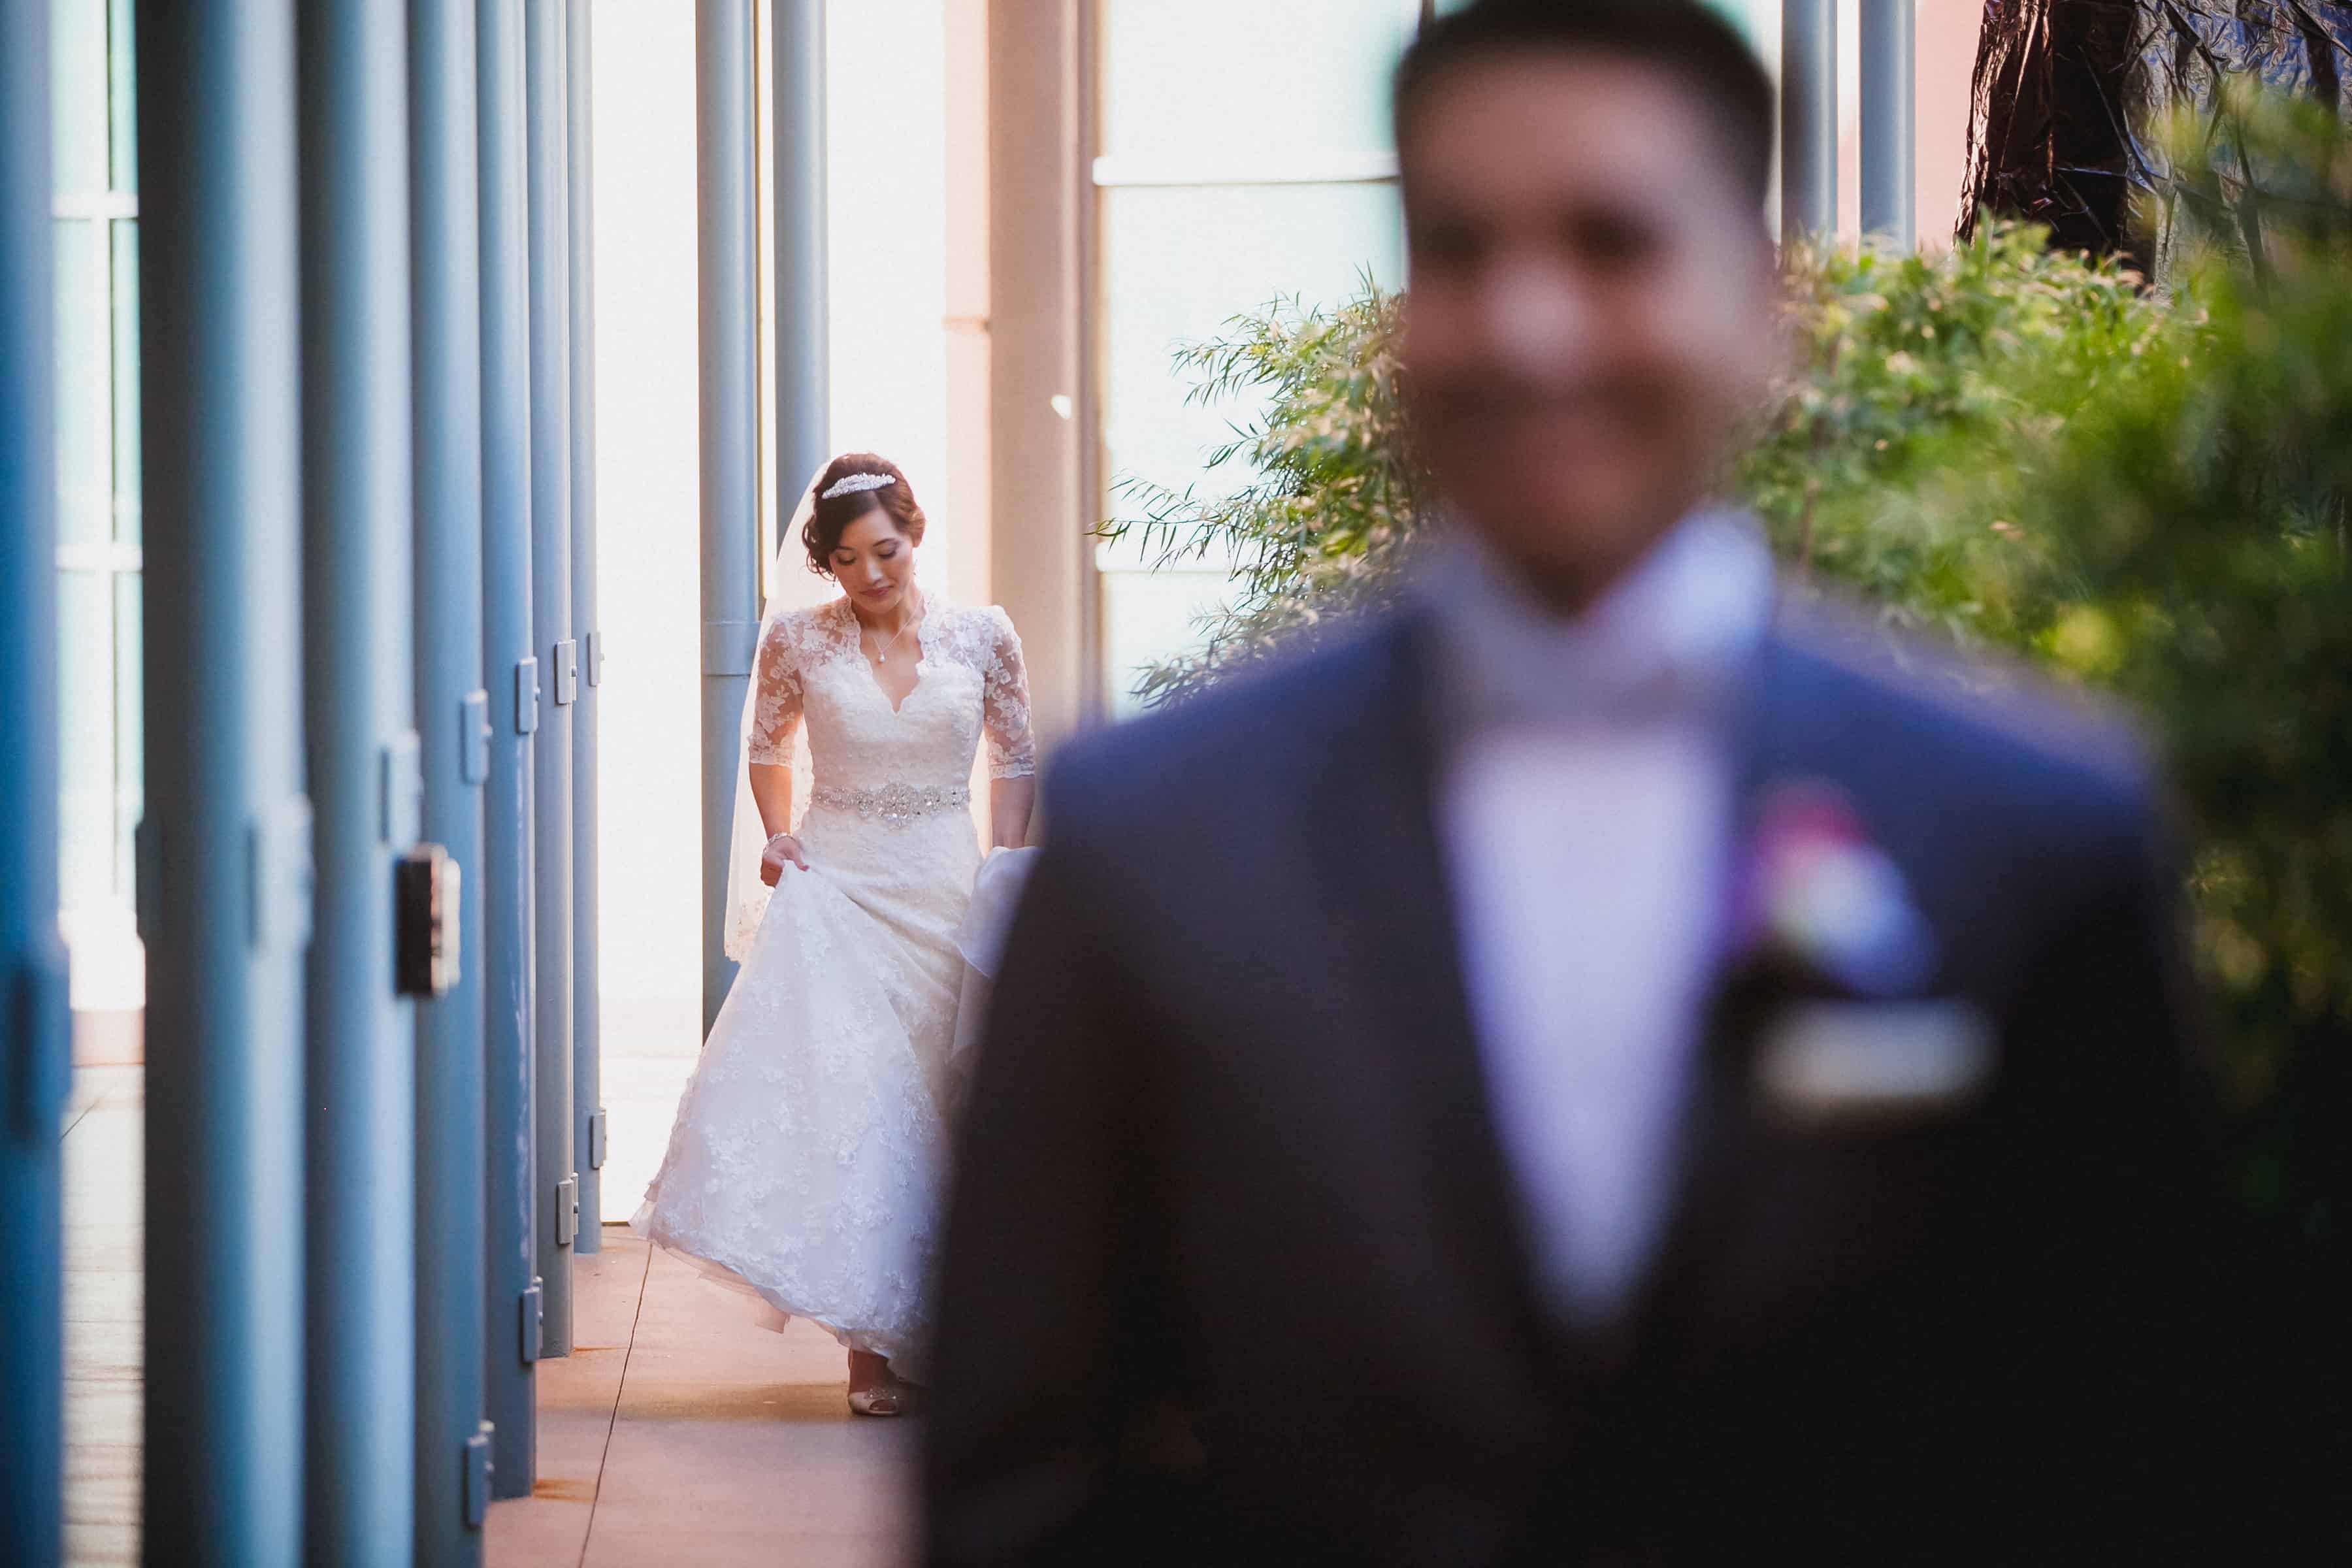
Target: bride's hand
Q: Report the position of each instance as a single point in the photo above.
(783, 851)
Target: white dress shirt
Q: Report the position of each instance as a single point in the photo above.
(1583, 810)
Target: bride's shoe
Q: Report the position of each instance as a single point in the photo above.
(889, 1399)
(889, 1395)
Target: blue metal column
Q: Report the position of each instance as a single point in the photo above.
(1808, 117)
(545, 113)
(1889, 161)
(225, 845)
(512, 1314)
(359, 707)
(804, 345)
(452, 1440)
(34, 1046)
(727, 284)
(587, 1024)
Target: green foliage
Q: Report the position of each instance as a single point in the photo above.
(1321, 528)
(1904, 369)
(2142, 492)
(2182, 541)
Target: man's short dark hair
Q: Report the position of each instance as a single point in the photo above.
(1684, 39)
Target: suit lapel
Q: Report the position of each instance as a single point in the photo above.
(1372, 818)
(1375, 830)
(1702, 1201)
(1782, 733)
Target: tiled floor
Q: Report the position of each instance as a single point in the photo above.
(680, 1431)
(104, 1314)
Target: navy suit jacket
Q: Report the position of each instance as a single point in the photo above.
(1235, 1272)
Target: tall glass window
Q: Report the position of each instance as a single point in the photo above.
(1245, 156)
(96, 218)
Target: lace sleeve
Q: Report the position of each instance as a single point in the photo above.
(1004, 703)
(776, 716)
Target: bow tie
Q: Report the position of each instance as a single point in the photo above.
(1668, 640)
(1580, 681)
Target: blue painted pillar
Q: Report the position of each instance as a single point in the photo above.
(365, 790)
(546, 115)
(587, 1018)
(33, 1048)
(1889, 83)
(512, 1315)
(804, 342)
(452, 1440)
(728, 280)
(1808, 117)
(225, 845)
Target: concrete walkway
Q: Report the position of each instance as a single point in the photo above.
(680, 1431)
(105, 1313)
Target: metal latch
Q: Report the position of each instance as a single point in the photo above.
(480, 1469)
(527, 697)
(279, 877)
(567, 673)
(43, 1025)
(474, 737)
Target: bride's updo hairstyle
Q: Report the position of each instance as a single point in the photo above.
(829, 518)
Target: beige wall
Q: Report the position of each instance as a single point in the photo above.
(966, 202)
(1947, 52)
(1035, 165)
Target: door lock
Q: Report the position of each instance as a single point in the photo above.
(426, 880)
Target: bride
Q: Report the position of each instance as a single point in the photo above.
(807, 1154)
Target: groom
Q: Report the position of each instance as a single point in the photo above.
(1604, 1068)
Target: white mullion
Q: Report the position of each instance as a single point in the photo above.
(117, 559)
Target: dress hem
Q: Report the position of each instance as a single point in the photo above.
(730, 1277)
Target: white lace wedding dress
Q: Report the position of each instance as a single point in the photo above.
(806, 1158)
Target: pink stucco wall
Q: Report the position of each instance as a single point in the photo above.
(1947, 52)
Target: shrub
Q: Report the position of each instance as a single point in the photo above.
(1321, 529)
(2006, 447)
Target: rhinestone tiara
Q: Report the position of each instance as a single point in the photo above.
(850, 484)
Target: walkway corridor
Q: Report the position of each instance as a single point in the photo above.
(679, 1432)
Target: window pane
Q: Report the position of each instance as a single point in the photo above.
(86, 725)
(1255, 82)
(126, 382)
(85, 404)
(1148, 616)
(1179, 262)
(129, 748)
(78, 78)
(126, 139)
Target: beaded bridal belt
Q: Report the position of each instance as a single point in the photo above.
(893, 804)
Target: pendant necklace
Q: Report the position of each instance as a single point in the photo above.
(882, 647)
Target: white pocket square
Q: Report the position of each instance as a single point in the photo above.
(1867, 1060)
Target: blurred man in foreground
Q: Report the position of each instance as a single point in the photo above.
(1598, 1069)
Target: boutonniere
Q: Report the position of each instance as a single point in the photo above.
(1821, 897)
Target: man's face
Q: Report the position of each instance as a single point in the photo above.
(1590, 306)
